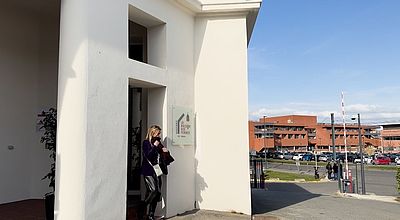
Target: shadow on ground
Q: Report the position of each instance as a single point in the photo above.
(277, 196)
(31, 209)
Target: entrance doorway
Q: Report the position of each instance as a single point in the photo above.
(145, 108)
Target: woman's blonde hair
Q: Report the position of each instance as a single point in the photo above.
(152, 131)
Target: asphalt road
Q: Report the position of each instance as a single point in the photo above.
(377, 181)
(316, 201)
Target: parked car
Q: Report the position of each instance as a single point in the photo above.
(288, 156)
(392, 157)
(297, 156)
(381, 160)
(322, 157)
(350, 157)
(262, 154)
(396, 157)
(367, 159)
(278, 155)
(308, 157)
(398, 162)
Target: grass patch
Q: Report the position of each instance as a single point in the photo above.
(381, 167)
(289, 176)
(294, 162)
(323, 164)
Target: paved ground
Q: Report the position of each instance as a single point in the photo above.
(316, 201)
(377, 181)
(32, 209)
(210, 215)
(279, 201)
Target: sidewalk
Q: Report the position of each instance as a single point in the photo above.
(371, 196)
(209, 214)
(216, 215)
(322, 180)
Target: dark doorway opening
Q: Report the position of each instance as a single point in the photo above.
(137, 42)
(135, 128)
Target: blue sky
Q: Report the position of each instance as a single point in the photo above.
(304, 53)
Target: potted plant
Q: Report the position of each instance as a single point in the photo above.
(48, 124)
(398, 179)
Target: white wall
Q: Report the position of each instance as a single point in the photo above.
(95, 70)
(28, 84)
(221, 109)
(93, 106)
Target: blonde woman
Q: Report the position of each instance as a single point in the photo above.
(151, 149)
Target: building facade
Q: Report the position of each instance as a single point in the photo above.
(390, 137)
(113, 68)
(294, 133)
(299, 133)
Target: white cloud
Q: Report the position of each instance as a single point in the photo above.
(362, 108)
(370, 114)
(320, 46)
(258, 61)
(381, 92)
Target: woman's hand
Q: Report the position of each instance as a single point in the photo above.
(156, 143)
(164, 149)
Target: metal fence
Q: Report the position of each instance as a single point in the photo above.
(257, 177)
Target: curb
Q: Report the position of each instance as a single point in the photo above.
(277, 180)
(370, 196)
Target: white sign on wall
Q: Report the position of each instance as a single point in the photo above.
(183, 126)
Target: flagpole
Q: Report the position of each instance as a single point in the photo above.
(345, 138)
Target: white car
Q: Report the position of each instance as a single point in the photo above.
(366, 160)
(297, 156)
(323, 158)
(398, 162)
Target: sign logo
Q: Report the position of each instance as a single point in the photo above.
(183, 126)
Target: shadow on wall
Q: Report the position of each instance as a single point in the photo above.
(277, 196)
(201, 185)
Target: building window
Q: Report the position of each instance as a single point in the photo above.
(146, 38)
(137, 42)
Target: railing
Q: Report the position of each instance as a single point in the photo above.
(257, 177)
(261, 131)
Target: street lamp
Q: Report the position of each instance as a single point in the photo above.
(362, 155)
(315, 153)
(265, 147)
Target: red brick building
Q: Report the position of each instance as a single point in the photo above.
(303, 133)
(390, 137)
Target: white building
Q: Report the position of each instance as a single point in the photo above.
(102, 62)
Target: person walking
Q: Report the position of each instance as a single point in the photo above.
(335, 171)
(152, 148)
(329, 170)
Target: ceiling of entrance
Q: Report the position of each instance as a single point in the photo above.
(51, 7)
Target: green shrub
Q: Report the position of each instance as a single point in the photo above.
(398, 179)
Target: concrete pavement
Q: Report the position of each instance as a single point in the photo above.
(379, 182)
(392, 199)
(210, 215)
(317, 201)
(307, 201)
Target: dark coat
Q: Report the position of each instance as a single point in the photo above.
(329, 167)
(165, 160)
(152, 152)
(335, 168)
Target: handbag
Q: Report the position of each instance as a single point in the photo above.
(156, 168)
